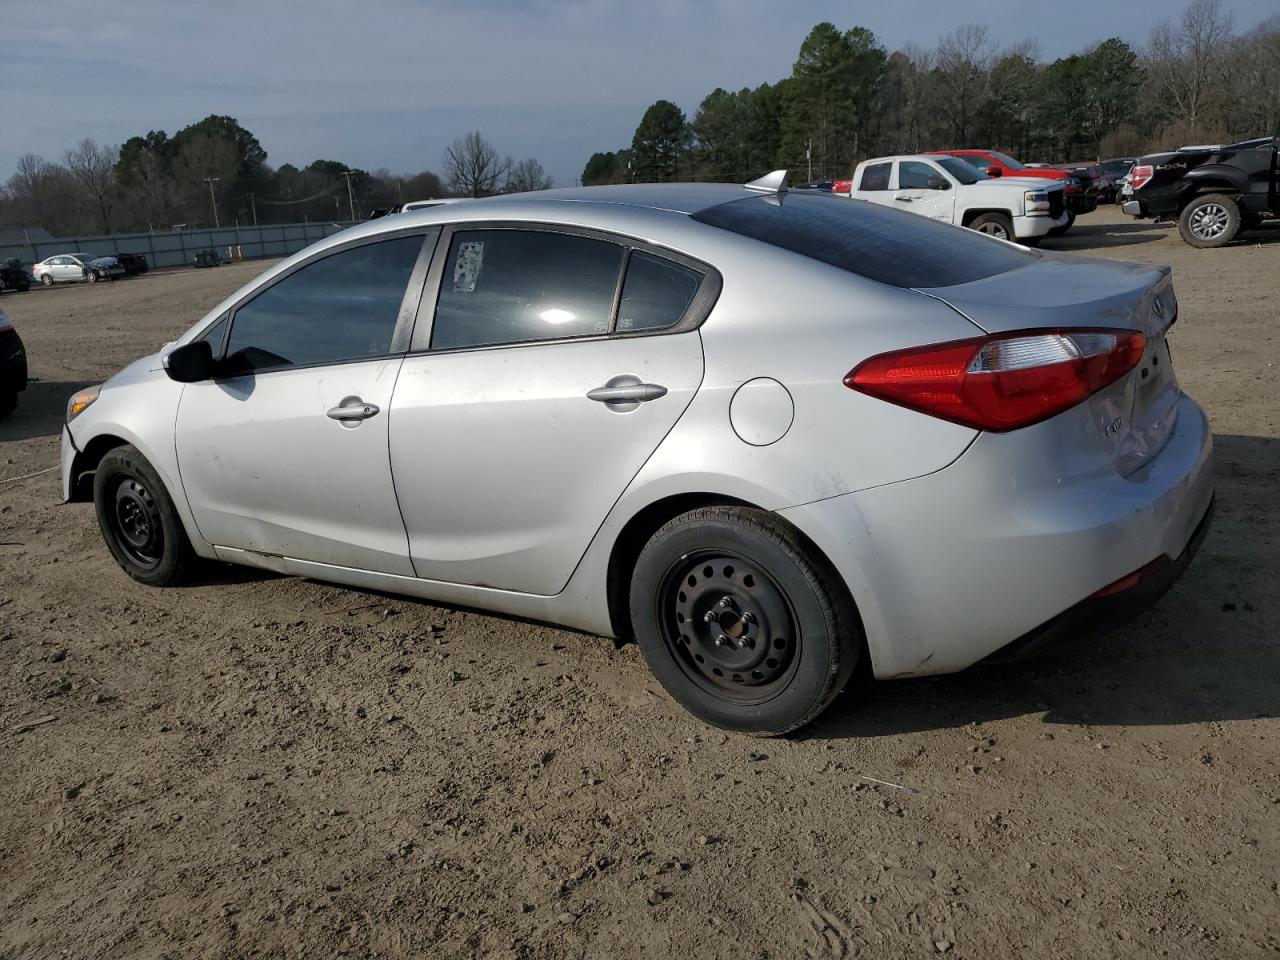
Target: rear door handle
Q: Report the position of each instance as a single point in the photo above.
(633, 392)
(353, 409)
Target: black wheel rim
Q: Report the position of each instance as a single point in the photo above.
(729, 626)
(135, 520)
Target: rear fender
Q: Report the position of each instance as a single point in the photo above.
(1216, 178)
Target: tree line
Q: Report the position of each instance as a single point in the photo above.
(847, 98)
(216, 172)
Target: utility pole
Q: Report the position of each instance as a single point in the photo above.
(351, 204)
(254, 207)
(213, 202)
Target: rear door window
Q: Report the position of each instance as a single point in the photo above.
(875, 177)
(517, 286)
(656, 293)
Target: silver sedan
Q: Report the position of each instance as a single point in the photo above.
(768, 435)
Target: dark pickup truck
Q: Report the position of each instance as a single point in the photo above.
(1213, 192)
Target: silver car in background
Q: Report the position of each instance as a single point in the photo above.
(766, 434)
(74, 267)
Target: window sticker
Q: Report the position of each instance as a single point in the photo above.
(466, 268)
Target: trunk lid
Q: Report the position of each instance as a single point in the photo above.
(1129, 421)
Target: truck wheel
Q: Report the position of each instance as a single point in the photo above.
(996, 225)
(1059, 231)
(1211, 220)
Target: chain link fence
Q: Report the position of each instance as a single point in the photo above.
(178, 248)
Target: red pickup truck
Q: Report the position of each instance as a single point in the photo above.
(996, 164)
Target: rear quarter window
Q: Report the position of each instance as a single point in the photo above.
(888, 246)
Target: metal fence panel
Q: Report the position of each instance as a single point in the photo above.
(177, 248)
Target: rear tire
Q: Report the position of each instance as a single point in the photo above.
(46, 279)
(8, 401)
(1210, 220)
(789, 635)
(997, 225)
(1071, 222)
(138, 520)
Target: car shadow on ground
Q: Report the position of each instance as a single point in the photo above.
(1209, 651)
(41, 410)
(1092, 236)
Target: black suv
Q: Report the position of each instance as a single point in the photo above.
(13, 276)
(1213, 192)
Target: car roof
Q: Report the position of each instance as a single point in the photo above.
(671, 197)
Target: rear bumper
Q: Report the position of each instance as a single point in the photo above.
(948, 568)
(1097, 616)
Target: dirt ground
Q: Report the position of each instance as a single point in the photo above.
(268, 766)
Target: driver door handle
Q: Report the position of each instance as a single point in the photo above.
(903, 197)
(353, 408)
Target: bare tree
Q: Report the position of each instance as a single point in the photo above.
(473, 166)
(1183, 59)
(44, 194)
(525, 176)
(94, 167)
(963, 66)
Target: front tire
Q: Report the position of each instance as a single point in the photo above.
(8, 401)
(996, 225)
(741, 621)
(138, 520)
(1211, 220)
(92, 276)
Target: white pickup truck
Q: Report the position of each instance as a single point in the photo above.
(1025, 209)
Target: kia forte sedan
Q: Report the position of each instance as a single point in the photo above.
(766, 434)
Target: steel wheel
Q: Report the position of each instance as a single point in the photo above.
(135, 520)
(729, 626)
(1209, 221)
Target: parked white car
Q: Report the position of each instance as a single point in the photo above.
(1024, 209)
(74, 267)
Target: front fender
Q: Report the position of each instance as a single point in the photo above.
(144, 417)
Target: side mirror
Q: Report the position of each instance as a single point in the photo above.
(939, 183)
(994, 171)
(190, 363)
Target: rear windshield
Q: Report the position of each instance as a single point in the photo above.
(889, 246)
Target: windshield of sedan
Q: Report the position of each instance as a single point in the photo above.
(961, 170)
(888, 246)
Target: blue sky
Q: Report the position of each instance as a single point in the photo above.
(388, 83)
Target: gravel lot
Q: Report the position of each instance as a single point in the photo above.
(272, 766)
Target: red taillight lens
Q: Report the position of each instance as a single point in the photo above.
(1140, 175)
(1001, 382)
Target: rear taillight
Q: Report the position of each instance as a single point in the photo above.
(1140, 175)
(1001, 382)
